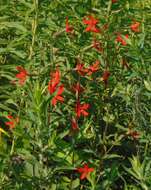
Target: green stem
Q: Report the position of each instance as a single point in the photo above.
(109, 9)
(12, 147)
(73, 142)
(34, 27)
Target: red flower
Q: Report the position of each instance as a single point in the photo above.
(94, 67)
(12, 122)
(121, 40)
(53, 87)
(74, 124)
(22, 75)
(80, 69)
(114, 1)
(105, 77)
(54, 81)
(91, 22)
(81, 109)
(85, 170)
(135, 27)
(58, 96)
(77, 88)
(69, 28)
(97, 46)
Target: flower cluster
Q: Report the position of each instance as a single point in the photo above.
(56, 88)
(89, 71)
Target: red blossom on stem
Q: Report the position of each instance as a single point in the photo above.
(53, 87)
(58, 96)
(80, 69)
(91, 22)
(135, 27)
(22, 75)
(69, 28)
(84, 171)
(54, 82)
(12, 121)
(93, 68)
(121, 40)
(114, 1)
(81, 109)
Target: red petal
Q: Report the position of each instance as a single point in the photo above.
(74, 124)
(90, 169)
(60, 98)
(54, 101)
(80, 170)
(83, 176)
(60, 90)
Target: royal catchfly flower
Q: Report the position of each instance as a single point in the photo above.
(11, 123)
(81, 109)
(114, 1)
(54, 81)
(93, 68)
(135, 27)
(120, 39)
(69, 28)
(80, 69)
(84, 171)
(53, 86)
(58, 96)
(22, 75)
(91, 22)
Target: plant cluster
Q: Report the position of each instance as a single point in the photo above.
(75, 95)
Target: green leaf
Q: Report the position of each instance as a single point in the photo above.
(147, 85)
(75, 183)
(110, 156)
(53, 187)
(16, 25)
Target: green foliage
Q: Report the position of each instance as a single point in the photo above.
(140, 171)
